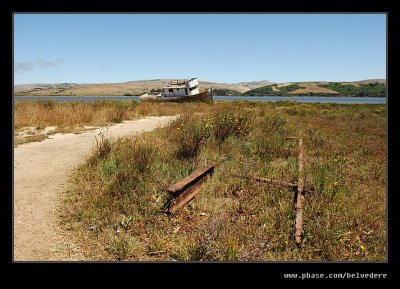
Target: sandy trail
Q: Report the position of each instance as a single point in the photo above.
(41, 171)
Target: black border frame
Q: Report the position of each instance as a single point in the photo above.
(265, 272)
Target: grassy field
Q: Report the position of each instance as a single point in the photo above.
(115, 202)
(32, 118)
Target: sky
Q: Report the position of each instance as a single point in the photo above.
(230, 48)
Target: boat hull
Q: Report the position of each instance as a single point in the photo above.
(202, 97)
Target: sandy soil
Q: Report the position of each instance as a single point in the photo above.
(41, 171)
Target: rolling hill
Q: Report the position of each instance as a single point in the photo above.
(138, 87)
(369, 88)
(124, 88)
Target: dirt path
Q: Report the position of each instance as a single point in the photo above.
(41, 171)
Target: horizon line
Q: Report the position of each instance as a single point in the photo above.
(199, 80)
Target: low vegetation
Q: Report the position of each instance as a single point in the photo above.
(260, 91)
(116, 200)
(373, 89)
(225, 92)
(273, 90)
(283, 90)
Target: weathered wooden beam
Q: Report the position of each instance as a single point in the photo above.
(299, 207)
(186, 189)
(275, 182)
(185, 197)
(270, 181)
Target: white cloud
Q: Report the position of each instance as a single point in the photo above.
(23, 66)
(29, 65)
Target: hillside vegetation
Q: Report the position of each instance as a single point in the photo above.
(258, 88)
(224, 92)
(124, 88)
(374, 89)
(371, 89)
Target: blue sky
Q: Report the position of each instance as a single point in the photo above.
(94, 48)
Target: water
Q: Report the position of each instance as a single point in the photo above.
(362, 100)
(312, 99)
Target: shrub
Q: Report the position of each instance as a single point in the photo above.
(48, 104)
(140, 154)
(191, 133)
(270, 140)
(118, 248)
(103, 145)
(225, 124)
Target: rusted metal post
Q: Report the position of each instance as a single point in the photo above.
(186, 189)
(299, 206)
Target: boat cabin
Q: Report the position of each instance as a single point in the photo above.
(182, 87)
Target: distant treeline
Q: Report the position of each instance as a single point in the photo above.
(225, 91)
(374, 89)
(272, 90)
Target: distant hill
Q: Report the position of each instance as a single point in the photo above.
(371, 80)
(369, 88)
(138, 87)
(255, 84)
(22, 88)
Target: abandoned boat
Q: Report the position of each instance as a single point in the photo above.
(180, 91)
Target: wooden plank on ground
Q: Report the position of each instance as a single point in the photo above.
(281, 183)
(186, 189)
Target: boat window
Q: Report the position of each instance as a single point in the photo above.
(170, 90)
(193, 88)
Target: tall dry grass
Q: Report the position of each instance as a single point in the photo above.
(51, 113)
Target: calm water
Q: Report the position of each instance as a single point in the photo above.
(306, 99)
(379, 100)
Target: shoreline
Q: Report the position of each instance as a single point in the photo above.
(300, 99)
(272, 96)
